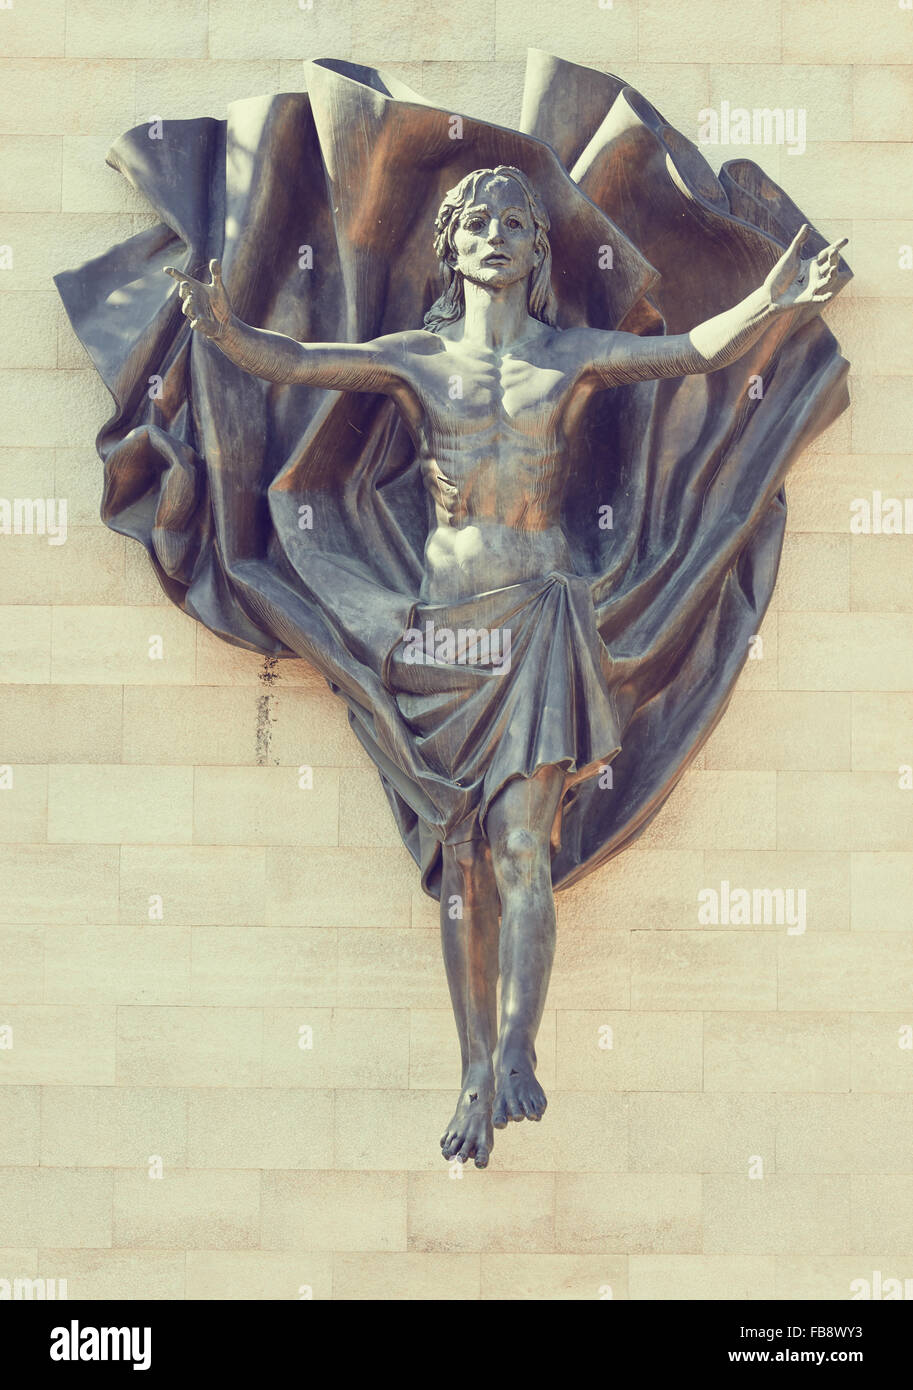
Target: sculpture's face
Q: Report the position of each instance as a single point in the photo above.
(495, 240)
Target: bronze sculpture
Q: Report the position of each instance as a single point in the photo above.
(491, 672)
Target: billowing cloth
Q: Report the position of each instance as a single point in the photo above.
(292, 520)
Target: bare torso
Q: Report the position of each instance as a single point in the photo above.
(492, 429)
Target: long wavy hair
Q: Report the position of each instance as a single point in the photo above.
(451, 303)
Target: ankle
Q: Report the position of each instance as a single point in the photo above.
(514, 1051)
(479, 1073)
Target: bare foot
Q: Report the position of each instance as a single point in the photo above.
(518, 1095)
(469, 1133)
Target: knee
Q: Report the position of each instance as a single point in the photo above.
(518, 854)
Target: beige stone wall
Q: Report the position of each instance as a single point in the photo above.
(135, 1038)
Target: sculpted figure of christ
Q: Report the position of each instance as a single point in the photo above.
(494, 461)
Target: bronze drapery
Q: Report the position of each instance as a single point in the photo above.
(321, 208)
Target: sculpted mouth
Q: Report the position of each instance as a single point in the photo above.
(496, 258)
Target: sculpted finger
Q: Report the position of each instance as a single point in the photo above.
(215, 271)
(798, 240)
(180, 275)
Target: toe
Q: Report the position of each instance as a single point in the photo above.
(515, 1108)
(452, 1147)
(482, 1156)
(499, 1113)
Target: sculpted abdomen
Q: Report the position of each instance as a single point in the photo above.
(498, 513)
(492, 462)
(498, 474)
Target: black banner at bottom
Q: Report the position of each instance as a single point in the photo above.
(231, 1338)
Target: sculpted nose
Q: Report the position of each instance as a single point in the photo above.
(494, 236)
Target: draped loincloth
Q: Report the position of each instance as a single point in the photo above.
(503, 684)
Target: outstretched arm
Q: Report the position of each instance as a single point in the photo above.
(721, 340)
(275, 357)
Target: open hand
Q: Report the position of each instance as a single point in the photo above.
(206, 305)
(794, 281)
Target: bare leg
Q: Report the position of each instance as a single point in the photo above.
(469, 936)
(519, 826)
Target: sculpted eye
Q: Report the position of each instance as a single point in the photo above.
(514, 223)
(473, 224)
